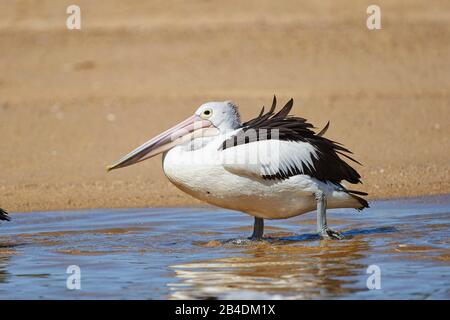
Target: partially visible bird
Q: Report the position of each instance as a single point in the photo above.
(271, 167)
(4, 215)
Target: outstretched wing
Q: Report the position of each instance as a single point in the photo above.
(298, 150)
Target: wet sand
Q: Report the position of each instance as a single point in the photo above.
(72, 102)
(191, 253)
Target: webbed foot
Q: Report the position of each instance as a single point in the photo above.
(328, 233)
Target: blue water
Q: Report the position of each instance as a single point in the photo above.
(174, 253)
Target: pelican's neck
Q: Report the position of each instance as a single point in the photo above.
(204, 148)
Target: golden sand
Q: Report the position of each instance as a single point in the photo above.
(72, 102)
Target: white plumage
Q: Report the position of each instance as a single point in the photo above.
(205, 175)
(271, 167)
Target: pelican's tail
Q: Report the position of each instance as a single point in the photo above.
(355, 195)
(4, 215)
(344, 198)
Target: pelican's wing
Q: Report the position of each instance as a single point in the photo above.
(298, 150)
(270, 159)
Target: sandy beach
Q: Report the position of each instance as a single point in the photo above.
(74, 101)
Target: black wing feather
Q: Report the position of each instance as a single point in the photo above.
(4, 215)
(325, 129)
(328, 166)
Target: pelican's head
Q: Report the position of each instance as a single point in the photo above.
(210, 119)
(223, 115)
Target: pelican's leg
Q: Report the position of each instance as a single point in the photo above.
(258, 229)
(322, 227)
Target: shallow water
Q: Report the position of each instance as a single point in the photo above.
(186, 253)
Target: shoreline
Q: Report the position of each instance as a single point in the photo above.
(189, 202)
(204, 205)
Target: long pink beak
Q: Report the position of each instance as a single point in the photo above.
(168, 139)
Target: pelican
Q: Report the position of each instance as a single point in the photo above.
(271, 167)
(4, 215)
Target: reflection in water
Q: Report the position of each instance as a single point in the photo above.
(187, 253)
(3, 273)
(6, 251)
(282, 270)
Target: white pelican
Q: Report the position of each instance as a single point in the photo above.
(271, 167)
(4, 215)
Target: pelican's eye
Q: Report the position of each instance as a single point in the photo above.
(206, 113)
